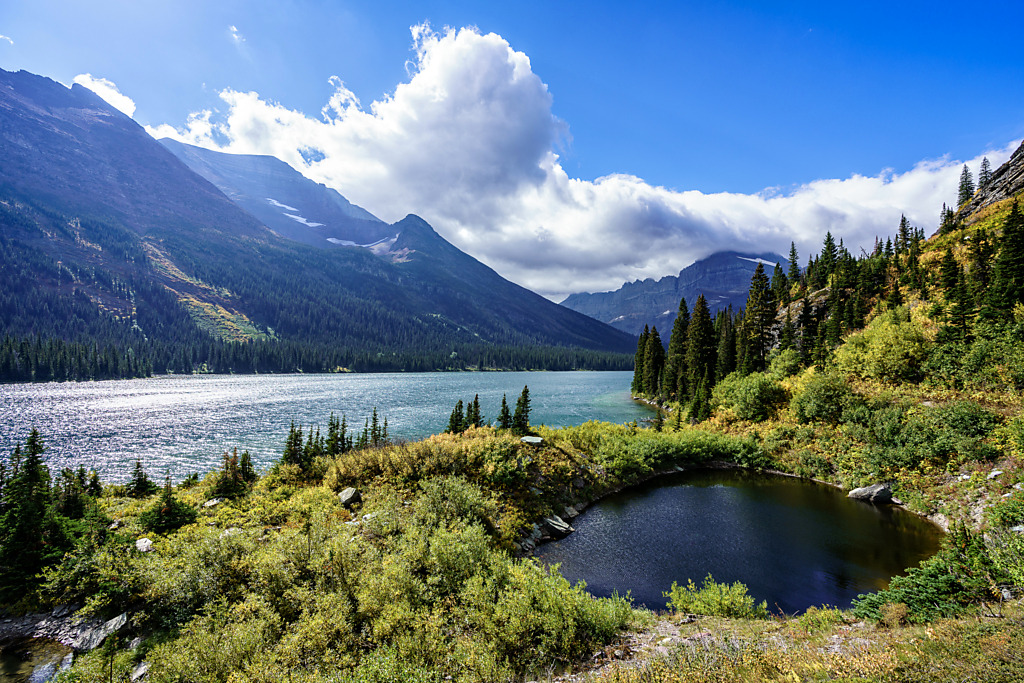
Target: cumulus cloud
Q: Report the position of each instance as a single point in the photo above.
(108, 91)
(236, 35)
(8, 39)
(468, 142)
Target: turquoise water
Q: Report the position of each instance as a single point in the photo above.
(182, 424)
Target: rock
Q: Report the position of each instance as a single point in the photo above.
(964, 477)
(557, 527)
(140, 671)
(994, 474)
(1018, 486)
(144, 545)
(92, 638)
(1019, 529)
(115, 525)
(532, 440)
(570, 512)
(876, 493)
(349, 497)
(231, 531)
(213, 502)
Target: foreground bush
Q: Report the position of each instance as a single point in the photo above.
(715, 600)
(755, 397)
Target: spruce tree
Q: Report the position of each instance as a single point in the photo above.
(293, 451)
(758, 319)
(725, 355)
(985, 173)
(521, 416)
(966, 190)
(140, 485)
(457, 420)
(949, 274)
(700, 344)
(654, 362)
(637, 387)
(675, 360)
(1007, 288)
(504, 416)
(794, 265)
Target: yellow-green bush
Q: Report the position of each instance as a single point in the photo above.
(891, 348)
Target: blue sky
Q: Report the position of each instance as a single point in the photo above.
(656, 124)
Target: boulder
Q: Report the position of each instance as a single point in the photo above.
(92, 638)
(876, 493)
(144, 545)
(213, 502)
(140, 671)
(556, 526)
(532, 440)
(349, 497)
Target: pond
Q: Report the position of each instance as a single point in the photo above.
(794, 543)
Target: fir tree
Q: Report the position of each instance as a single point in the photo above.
(140, 485)
(293, 451)
(457, 420)
(725, 355)
(758, 319)
(674, 385)
(504, 416)
(966, 190)
(477, 418)
(637, 387)
(794, 265)
(949, 274)
(654, 362)
(700, 344)
(985, 173)
(521, 416)
(787, 338)
(1007, 288)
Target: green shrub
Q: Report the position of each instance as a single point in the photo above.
(715, 600)
(823, 399)
(892, 348)
(822, 618)
(784, 364)
(167, 513)
(755, 397)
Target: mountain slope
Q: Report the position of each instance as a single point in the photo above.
(723, 278)
(102, 224)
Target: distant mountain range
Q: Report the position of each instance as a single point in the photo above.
(108, 238)
(723, 278)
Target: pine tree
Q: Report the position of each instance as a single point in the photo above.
(654, 362)
(981, 254)
(504, 416)
(140, 485)
(794, 265)
(521, 416)
(1007, 288)
(985, 173)
(780, 285)
(637, 387)
(827, 260)
(787, 338)
(700, 407)
(675, 361)
(758, 319)
(949, 274)
(457, 420)
(725, 355)
(293, 451)
(700, 344)
(966, 190)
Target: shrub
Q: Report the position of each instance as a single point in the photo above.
(715, 600)
(823, 399)
(167, 513)
(754, 397)
(891, 348)
(822, 618)
(784, 364)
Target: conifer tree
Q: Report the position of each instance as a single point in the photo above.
(966, 190)
(700, 344)
(827, 260)
(700, 407)
(521, 416)
(949, 274)
(985, 173)
(504, 416)
(637, 387)
(787, 338)
(457, 420)
(981, 253)
(725, 355)
(654, 362)
(675, 360)
(140, 485)
(293, 451)
(758, 319)
(1007, 288)
(794, 265)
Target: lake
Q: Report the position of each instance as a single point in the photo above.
(182, 424)
(794, 543)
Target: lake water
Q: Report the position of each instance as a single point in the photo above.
(182, 424)
(793, 543)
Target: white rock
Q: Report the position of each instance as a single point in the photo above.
(213, 502)
(994, 473)
(144, 545)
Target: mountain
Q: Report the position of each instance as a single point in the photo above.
(283, 199)
(117, 258)
(723, 278)
(1007, 181)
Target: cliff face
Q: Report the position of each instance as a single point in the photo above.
(1007, 180)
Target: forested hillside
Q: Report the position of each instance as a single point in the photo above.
(119, 261)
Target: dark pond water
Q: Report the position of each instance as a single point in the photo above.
(793, 543)
(33, 661)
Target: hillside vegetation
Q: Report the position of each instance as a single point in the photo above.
(894, 367)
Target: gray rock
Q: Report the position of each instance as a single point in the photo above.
(349, 497)
(92, 638)
(557, 527)
(532, 440)
(570, 512)
(213, 502)
(140, 671)
(876, 493)
(144, 545)
(994, 474)
(1019, 529)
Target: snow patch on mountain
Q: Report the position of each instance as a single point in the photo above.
(280, 205)
(757, 260)
(300, 219)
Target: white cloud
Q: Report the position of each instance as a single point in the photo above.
(8, 39)
(467, 143)
(108, 91)
(236, 35)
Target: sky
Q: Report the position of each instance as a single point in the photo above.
(571, 146)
